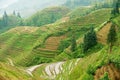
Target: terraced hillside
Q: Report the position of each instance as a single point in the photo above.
(35, 49)
(50, 48)
(23, 44)
(52, 43)
(50, 71)
(97, 64)
(23, 40)
(19, 41)
(95, 18)
(92, 67)
(8, 72)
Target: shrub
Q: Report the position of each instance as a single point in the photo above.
(91, 70)
(86, 76)
(64, 44)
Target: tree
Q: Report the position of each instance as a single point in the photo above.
(18, 15)
(115, 10)
(14, 13)
(117, 6)
(73, 43)
(111, 39)
(5, 19)
(90, 40)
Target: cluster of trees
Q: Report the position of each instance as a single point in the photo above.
(104, 4)
(46, 16)
(73, 43)
(115, 9)
(112, 37)
(77, 3)
(90, 40)
(11, 20)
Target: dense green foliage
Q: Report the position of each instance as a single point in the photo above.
(90, 40)
(37, 59)
(64, 44)
(47, 16)
(112, 36)
(73, 43)
(115, 10)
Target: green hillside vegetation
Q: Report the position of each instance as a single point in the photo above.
(8, 72)
(95, 65)
(79, 12)
(20, 41)
(57, 44)
(87, 67)
(92, 67)
(47, 16)
(85, 10)
(28, 41)
(94, 19)
(62, 44)
(100, 65)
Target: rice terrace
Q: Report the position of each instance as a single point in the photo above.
(60, 40)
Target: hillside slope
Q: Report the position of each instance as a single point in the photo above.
(24, 44)
(97, 64)
(47, 16)
(91, 67)
(8, 72)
